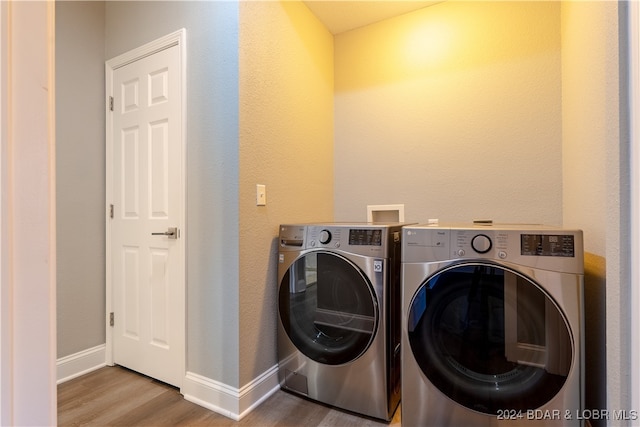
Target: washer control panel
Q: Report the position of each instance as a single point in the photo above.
(560, 245)
(550, 247)
(479, 243)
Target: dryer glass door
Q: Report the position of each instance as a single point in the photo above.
(489, 338)
(328, 308)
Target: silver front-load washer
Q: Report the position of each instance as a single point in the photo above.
(339, 315)
(492, 327)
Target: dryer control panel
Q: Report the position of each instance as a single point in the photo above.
(368, 239)
(365, 240)
(292, 237)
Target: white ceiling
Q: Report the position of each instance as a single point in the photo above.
(344, 15)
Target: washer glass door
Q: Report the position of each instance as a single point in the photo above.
(328, 308)
(489, 338)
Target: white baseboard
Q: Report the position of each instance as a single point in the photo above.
(83, 362)
(229, 401)
(219, 397)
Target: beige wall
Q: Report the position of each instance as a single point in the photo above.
(286, 143)
(589, 114)
(453, 110)
(594, 169)
(512, 114)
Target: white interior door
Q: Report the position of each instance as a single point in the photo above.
(146, 245)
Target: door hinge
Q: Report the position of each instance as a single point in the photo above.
(111, 321)
(111, 211)
(111, 103)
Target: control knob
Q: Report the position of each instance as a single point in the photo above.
(325, 237)
(481, 243)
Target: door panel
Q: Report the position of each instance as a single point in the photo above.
(147, 265)
(131, 294)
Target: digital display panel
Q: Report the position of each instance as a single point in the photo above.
(365, 237)
(547, 245)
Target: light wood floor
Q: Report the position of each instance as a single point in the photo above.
(114, 396)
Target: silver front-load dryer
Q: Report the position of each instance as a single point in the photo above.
(492, 327)
(339, 315)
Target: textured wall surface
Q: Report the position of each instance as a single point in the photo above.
(591, 197)
(286, 143)
(589, 114)
(453, 110)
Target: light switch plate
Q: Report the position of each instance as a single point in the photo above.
(261, 195)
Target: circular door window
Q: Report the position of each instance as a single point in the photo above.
(489, 338)
(327, 307)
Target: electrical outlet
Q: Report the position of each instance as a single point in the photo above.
(261, 195)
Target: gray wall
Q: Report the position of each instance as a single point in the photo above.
(80, 176)
(212, 166)
(218, 275)
(88, 33)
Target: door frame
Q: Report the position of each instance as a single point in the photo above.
(634, 125)
(27, 214)
(177, 38)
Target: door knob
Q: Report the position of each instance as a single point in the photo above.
(172, 233)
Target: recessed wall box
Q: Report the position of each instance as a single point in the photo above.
(385, 213)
